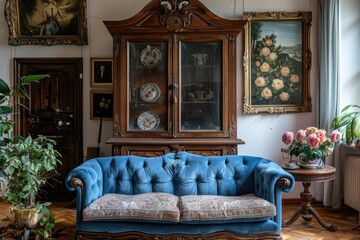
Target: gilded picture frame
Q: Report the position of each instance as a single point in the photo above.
(101, 104)
(46, 22)
(102, 72)
(277, 62)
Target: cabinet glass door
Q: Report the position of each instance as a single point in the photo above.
(147, 86)
(201, 86)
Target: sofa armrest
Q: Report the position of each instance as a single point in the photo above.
(270, 178)
(87, 181)
(270, 181)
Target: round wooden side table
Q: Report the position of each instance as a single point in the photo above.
(307, 176)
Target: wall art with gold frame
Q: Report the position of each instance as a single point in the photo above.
(277, 62)
(101, 72)
(46, 22)
(101, 104)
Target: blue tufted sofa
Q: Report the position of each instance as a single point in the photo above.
(197, 197)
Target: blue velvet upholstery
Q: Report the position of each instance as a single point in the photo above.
(180, 174)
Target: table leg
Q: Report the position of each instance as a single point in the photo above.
(307, 211)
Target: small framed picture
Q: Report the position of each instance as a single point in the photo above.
(101, 104)
(101, 72)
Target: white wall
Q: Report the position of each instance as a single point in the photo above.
(262, 132)
(349, 52)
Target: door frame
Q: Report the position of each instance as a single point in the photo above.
(26, 66)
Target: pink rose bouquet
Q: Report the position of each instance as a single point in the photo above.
(312, 142)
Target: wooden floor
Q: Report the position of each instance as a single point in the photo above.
(344, 218)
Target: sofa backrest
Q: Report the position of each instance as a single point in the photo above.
(180, 173)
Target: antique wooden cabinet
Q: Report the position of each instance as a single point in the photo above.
(175, 80)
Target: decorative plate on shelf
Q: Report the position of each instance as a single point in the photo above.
(150, 92)
(148, 121)
(150, 56)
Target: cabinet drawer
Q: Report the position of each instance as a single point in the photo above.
(142, 151)
(206, 150)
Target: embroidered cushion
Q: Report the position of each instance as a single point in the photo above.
(224, 209)
(147, 207)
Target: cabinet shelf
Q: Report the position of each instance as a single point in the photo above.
(143, 105)
(202, 66)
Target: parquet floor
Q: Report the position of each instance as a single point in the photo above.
(345, 219)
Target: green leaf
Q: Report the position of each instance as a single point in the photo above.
(28, 140)
(26, 188)
(350, 106)
(25, 159)
(342, 120)
(355, 126)
(47, 204)
(38, 206)
(19, 138)
(49, 226)
(33, 78)
(3, 173)
(11, 170)
(4, 88)
(46, 234)
(2, 99)
(21, 195)
(4, 110)
(348, 135)
(43, 221)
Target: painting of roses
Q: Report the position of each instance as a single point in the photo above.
(276, 63)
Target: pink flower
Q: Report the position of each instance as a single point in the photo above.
(287, 137)
(313, 141)
(300, 136)
(310, 130)
(335, 136)
(321, 134)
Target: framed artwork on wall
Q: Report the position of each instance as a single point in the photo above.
(101, 104)
(101, 72)
(46, 22)
(277, 62)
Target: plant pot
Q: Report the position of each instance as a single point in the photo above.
(306, 163)
(28, 217)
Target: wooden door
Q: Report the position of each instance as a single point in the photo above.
(55, 111)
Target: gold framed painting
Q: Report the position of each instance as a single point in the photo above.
(101, 72)
(101, 104)
(46, 22)
(277, 62)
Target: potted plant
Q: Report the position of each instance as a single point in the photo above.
(25, 164)
(348, 123)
